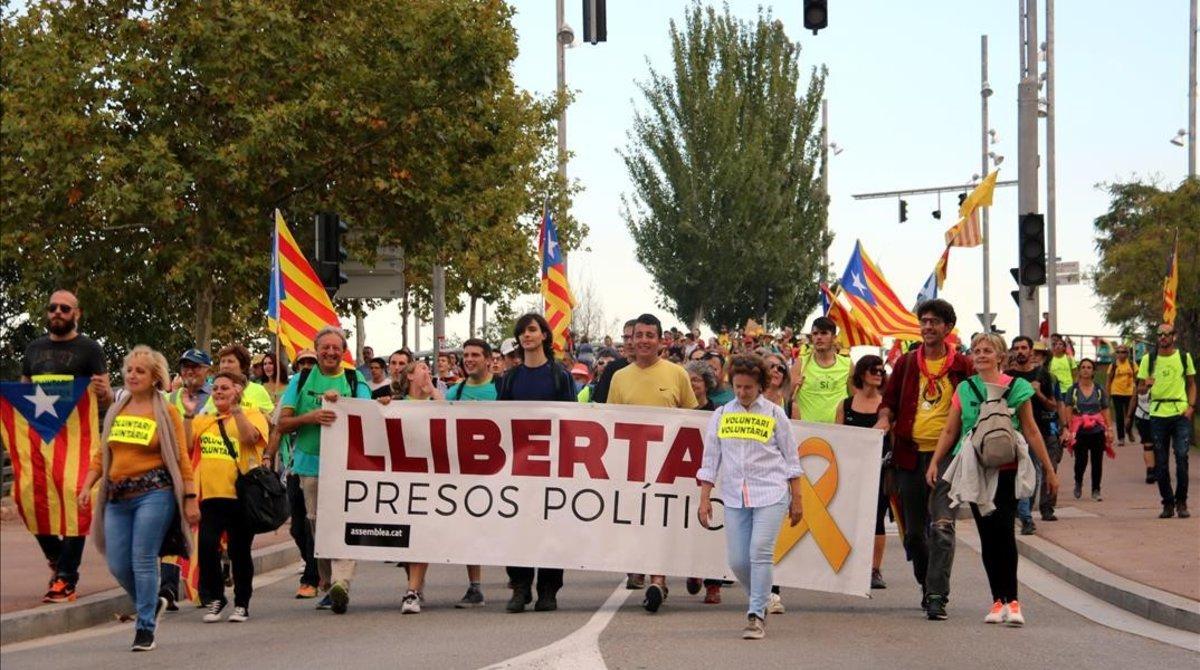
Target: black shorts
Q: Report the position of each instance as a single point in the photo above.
(1145, 432)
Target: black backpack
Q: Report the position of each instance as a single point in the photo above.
(351, 379)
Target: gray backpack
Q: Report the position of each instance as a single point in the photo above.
(993, 437)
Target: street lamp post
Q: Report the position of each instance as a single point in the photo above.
(1051, 170)
(985, 91)
(1192, 92)
(825, 180)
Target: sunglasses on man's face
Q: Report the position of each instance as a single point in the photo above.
(58, 307)
(1166, 333)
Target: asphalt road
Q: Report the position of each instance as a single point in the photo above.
(818, 630)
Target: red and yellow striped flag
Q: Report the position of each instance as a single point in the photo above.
(556, 291)
(298, 305)
(874, 301)
(1171, 284)
(852, 332)
(50, 430)
(967, 233)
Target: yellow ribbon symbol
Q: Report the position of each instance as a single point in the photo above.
(816, 517)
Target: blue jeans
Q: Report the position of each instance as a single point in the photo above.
(1171, 433)
(134, 529)
(750, 534)
(1025, 505)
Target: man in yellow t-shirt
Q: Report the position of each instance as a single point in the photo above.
(1062, 365)
(652, 381)
(230, 431)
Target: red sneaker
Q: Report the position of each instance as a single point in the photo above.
(60, 592)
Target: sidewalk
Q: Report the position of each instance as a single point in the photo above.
(24, 574)
(1123, 535)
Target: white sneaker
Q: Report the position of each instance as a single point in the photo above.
(411, 603)
(997, 614)
(775, 604)
(1013, 616)
(214, 611)
(239, 615)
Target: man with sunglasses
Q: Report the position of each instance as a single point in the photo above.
(600, 393)
(60, 356)
(1170, 376)
(1045, 410)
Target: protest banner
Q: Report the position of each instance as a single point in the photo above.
(595, 487)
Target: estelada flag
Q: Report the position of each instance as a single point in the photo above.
(50, 430)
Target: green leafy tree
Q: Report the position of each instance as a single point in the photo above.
(727, 211)
(144, 146)
(1134, 240)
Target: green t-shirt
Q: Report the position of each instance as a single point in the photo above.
(964, 398)
(823, 390)
(721, 396)
(484, 391)
(1061, 368)
(307, 443)
(1168, 396)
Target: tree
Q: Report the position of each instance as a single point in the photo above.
(1134, 241)
(727, 211)
(144, 146)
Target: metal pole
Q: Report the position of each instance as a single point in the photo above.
(1027, 158)
(360, 334)
(1192, 93)
(439, 312)
(1051, 168)
(984, 92)
(416, 323)
(825, 179)
(561, 53)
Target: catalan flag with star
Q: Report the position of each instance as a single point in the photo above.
(873, 299)
(556, 291)
(50, 430)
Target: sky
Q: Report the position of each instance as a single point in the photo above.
(904, 102)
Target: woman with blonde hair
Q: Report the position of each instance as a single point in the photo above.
(146, 487)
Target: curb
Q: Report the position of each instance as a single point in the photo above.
(99, 608)
(1147, 602)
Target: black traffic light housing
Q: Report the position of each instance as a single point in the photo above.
(330, 251)
(816, 15)
(1031, 258)
(903, 211)
(595, 22)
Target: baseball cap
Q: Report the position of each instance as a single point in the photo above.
(581, 369)
(305, 353)
(508, 346)
(197, 356)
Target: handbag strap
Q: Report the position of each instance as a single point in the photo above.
(229, 445)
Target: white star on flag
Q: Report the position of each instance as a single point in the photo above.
(858, 284)
(42, 402)
(552, 247)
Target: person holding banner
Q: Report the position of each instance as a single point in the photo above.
(146, 485)
(62, 354)
(750, 447)
(304, 414)
(227, 440)
(538, 377)
(653, 381)
(997, 538)
(862, 409)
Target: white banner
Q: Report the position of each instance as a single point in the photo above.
(590, 487)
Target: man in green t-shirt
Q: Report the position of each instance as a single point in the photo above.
(1062, 365)
(303, 413)
(824, 378)
(479, 385)
(1170, 376)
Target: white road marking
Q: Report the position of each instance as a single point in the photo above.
(101, 630)
(1088, 606)
(579, 650)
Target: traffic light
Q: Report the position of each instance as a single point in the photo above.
(1016, 295)
(330, 252)
(816, 15)
(903, 211)
(595, 24)
(1032, 249)
(937, 214)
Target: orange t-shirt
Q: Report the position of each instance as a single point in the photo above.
(134, 442)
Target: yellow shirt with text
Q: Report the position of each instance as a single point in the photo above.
(218, 472)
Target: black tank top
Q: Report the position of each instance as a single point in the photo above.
(860, 419)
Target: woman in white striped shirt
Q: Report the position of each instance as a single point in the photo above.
(749, 444)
